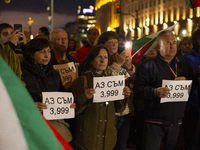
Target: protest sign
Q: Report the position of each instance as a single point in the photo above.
(179, 90)
(58, 105)
(124, 72)
(67, 72)
(108, 88)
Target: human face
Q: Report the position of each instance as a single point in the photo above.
(121, 42)
(151, 54)
(100, 62)
(60, 42)
(42, 57)
(71, 45)
(186, 46)
(167, 47)
(112, 46)
(94, 33)
(6, 35)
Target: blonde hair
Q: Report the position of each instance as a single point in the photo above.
(182, 40)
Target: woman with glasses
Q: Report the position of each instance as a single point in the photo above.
(40, 76)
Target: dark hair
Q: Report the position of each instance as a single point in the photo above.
(4, 26)
(121, 36)
(105, 36)
(195, 38)
(94, 51)
(44, 30)
(37, 44)
(74, 45)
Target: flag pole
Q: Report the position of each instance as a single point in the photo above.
(194, 12)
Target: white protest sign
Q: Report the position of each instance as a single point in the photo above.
(108, 88)
(124, 72)
(67, 72)
(58, 105)
(179, 90)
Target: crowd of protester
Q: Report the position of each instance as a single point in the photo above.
(139, 118)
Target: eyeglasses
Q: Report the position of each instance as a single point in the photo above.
(112, 41)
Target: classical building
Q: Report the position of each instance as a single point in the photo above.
(143, 17)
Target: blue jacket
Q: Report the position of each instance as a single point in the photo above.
(193, 59)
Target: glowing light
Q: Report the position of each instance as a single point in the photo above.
(91, 7)
(184, 32)
(127, 45)
(86, 10)
(31, 36)
(109, 29)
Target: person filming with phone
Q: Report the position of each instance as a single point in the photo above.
(15, 38)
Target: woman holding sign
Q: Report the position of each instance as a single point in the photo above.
(40, 76)
(95, 122)
(120, 63)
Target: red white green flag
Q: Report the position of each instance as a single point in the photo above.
(193, 3)
(145, 45)
(22, 126)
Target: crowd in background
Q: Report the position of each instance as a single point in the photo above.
(139, 119)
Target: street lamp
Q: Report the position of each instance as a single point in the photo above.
(30, 21)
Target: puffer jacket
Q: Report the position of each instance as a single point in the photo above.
(38, 81)
(149, 76)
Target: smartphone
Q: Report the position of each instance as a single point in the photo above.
(121, 49)
(18, 27)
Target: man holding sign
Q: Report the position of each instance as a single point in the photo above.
(162, 120)
(59, 54)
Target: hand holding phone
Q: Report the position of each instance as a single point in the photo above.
(18, 27)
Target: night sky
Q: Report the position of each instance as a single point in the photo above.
(18, 11)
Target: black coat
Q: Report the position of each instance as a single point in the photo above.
(37, 80)
(149, 76)
(54, 61)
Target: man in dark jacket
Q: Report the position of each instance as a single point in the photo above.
(162, 120)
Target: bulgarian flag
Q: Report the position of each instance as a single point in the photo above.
(193, 3)
(145, 45)
(22, 126)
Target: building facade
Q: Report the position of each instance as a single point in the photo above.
(85, 19)
(143, 17)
